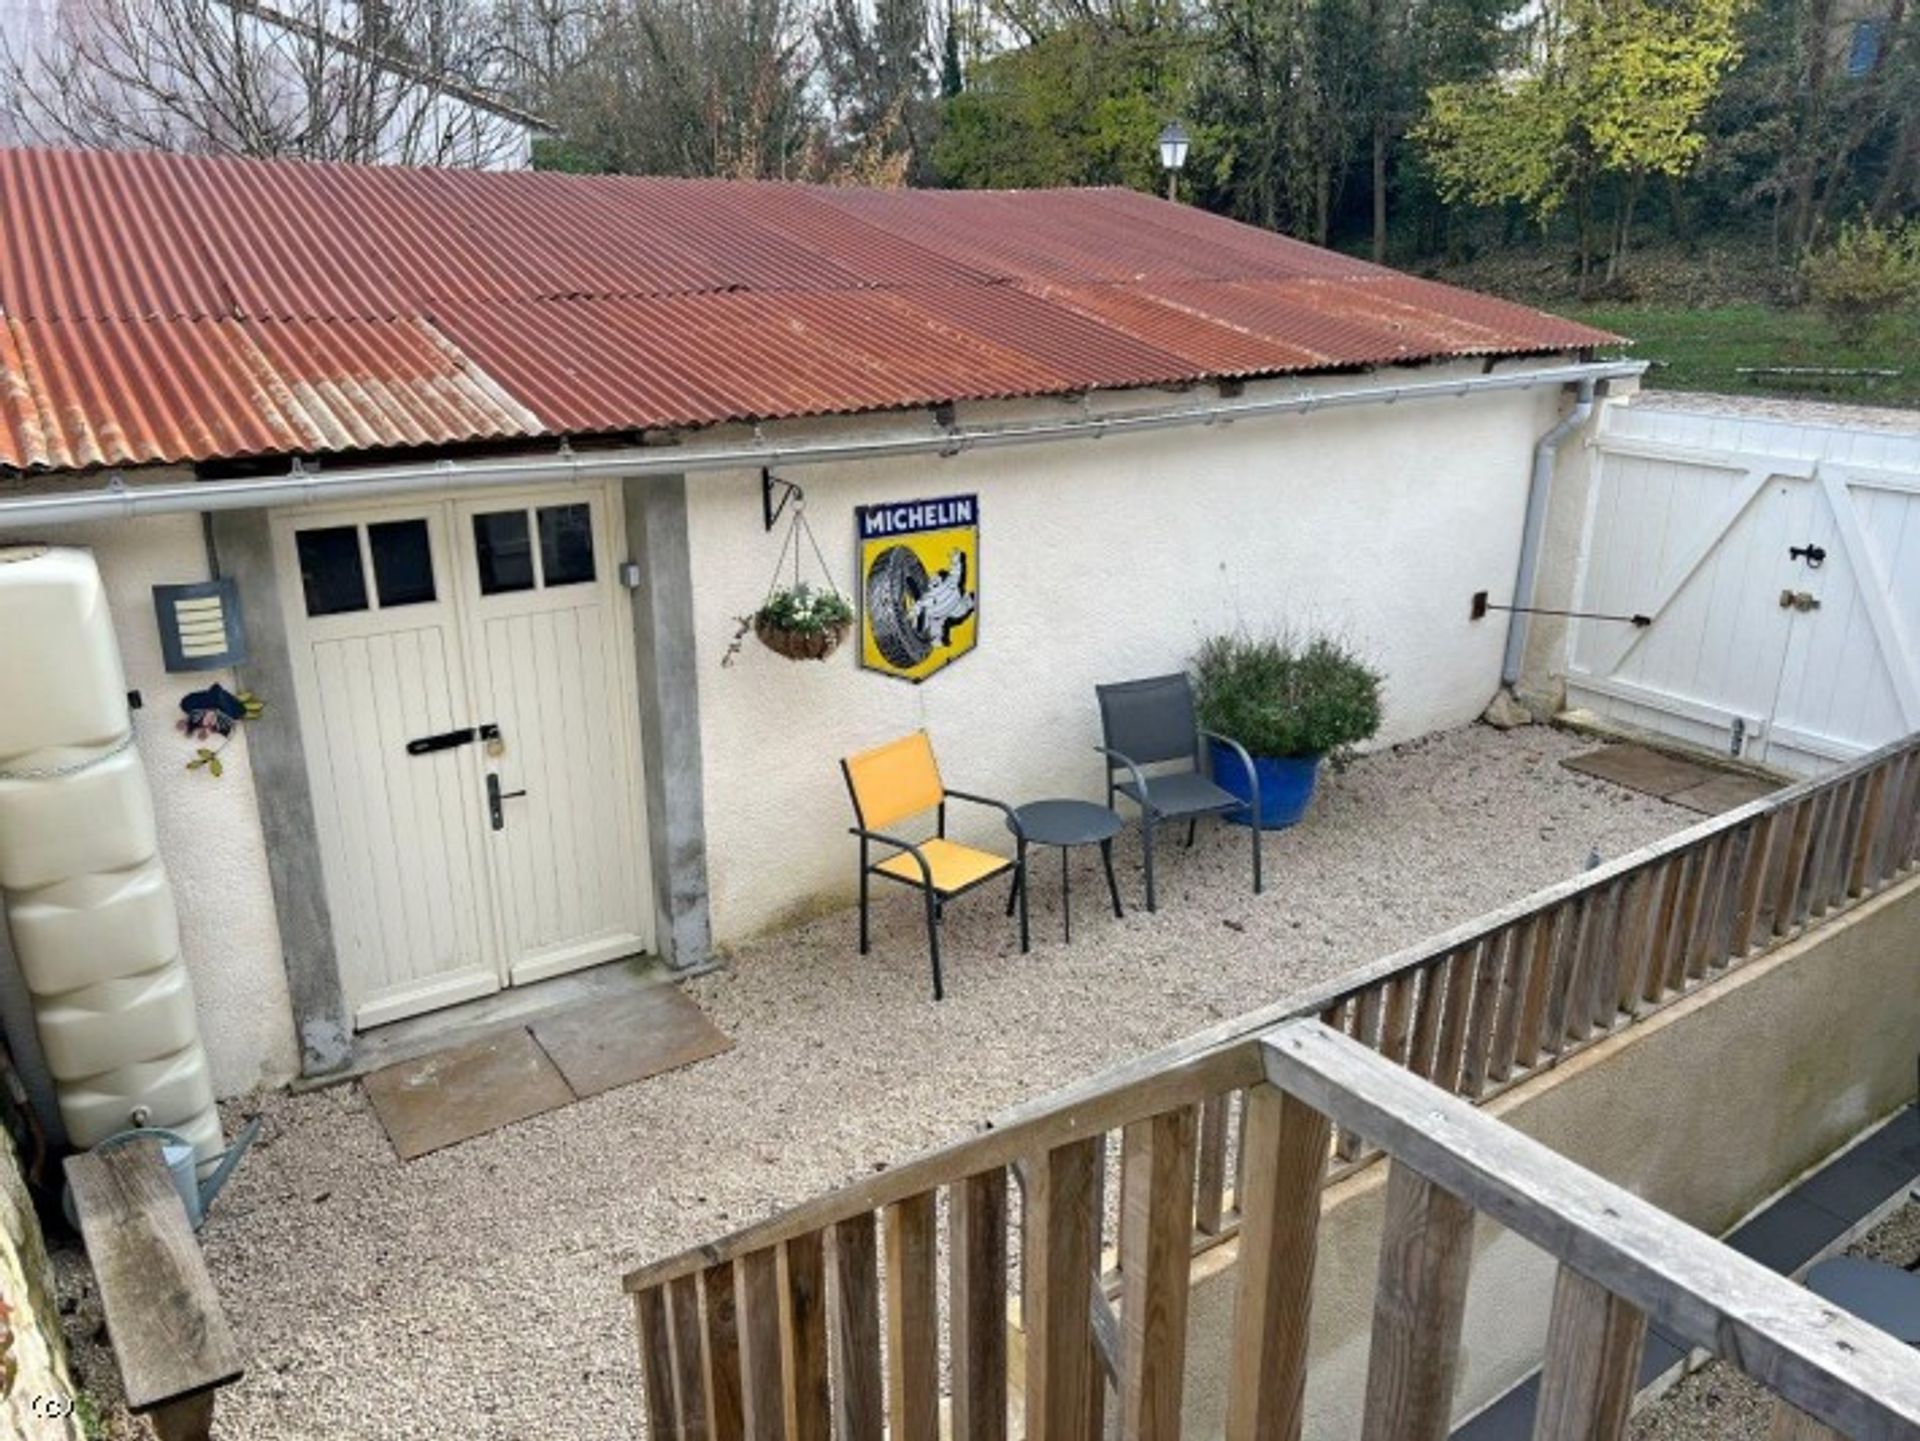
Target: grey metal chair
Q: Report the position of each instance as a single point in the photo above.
(1149, 723)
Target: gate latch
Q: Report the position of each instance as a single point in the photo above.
(1813, 555)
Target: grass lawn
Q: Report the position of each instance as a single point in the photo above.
(1704, 348)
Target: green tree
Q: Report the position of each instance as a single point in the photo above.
(1079, 105)
(1613, 92)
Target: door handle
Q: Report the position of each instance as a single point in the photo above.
(496, 814)
(1800, 600)
(445, 741)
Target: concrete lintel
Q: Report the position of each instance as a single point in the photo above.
(243, 545)
(656, 514)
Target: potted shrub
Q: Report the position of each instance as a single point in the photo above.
(1292, 703)
(803, 622)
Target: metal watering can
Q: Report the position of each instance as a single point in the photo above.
(177, 1152)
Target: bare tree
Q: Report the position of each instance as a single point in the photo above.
(397, 81)
(692, 87)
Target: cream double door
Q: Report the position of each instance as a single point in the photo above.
(467, 706)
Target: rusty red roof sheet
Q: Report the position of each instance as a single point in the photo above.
(158, 308)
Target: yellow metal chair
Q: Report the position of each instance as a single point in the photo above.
(895, 782)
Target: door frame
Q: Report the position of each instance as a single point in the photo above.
(456, 572)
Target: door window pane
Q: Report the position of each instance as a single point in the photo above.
(330, 570)
(566, 544)
(402, 562)
(504, 551)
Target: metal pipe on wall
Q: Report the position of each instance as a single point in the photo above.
(307, 485)
(1534, 527)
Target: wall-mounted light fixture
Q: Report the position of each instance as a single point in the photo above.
(200, 625)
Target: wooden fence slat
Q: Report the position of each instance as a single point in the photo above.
(1685, 912)
(1753, 874)
(1209, 1191)
(977, 1303)
(1060, 1253)
(913, 1319)
(1863, 869)
(1517, 943)
(1426, 1248)
(1706, 920)
(1592, 1368)
(1805, 882)
(1286, 1148)
(763, 1392)
(1603, 964)
(1792, 861)
(726, 1414)
(1533, 1015)
(1463, 977)
(1630, 941)
(853, 1302)
(656, 1361)
(1569, 934)
(1158, 1156)
(689, 1367)
(1429, 1008)
(808, 1402)
(1494, 960)
(1660, 943)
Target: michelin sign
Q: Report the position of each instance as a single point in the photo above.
(919, 584)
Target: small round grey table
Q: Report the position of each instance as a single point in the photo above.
(1879, 1294)
(1065, 824)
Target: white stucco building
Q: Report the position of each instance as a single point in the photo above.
(485, 460)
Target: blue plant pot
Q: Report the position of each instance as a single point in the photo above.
(1286, 784)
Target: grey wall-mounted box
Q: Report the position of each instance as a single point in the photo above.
(200, 625)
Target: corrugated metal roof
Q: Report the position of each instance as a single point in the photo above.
(176, 308)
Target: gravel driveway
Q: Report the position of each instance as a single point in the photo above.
(474, 1293)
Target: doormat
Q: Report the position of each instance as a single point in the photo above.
(449, 1096)
(455, 1095)
(1698, 787)
(602, 1044)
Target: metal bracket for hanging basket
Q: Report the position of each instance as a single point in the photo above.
(769, 512)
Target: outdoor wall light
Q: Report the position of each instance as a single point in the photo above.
(1173, 155)
(200, 625)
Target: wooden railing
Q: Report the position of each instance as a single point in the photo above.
(794, 1330)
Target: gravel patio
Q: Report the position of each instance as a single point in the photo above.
(474, 1293)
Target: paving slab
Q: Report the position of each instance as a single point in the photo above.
(454, 1095)
(1637, 768)
(598, 1046)
(1725, 792)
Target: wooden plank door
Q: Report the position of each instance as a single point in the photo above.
(1698, 541)
(1851, 680)
(370, 601)
(549, 644)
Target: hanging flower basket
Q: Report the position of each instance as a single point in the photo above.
(800, 621)
(798, 644)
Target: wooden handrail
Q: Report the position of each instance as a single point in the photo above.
(1830, 1365)
(1463, 1001)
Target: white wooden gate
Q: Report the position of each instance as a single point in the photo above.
(1780, 564)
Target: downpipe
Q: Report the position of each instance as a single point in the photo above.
(1533, 530)
(307, 484)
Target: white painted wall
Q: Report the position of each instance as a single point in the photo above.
(209, 829)
(1103, 560)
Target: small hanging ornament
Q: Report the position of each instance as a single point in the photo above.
(798, 620)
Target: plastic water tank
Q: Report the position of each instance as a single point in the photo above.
(86, 896)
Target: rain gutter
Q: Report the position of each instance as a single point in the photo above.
(306, 484)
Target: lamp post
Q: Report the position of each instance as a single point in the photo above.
(1173, 155)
